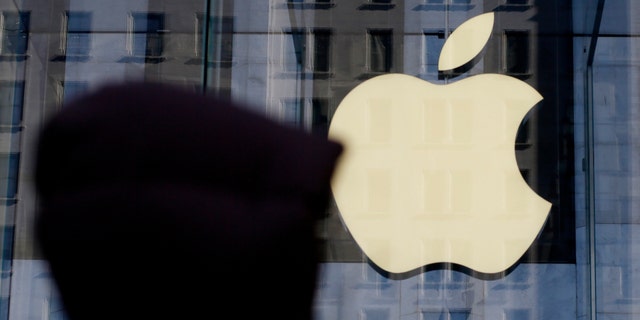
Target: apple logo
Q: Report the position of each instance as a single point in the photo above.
(429, 172)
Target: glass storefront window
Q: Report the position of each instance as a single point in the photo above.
(295, 62)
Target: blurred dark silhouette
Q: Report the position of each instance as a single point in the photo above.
(158, 203)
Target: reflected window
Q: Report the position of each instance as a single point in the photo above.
(296, 54)
(6, 255)
(145, 30)
(321, 49)
(516, 51)
(11, 101)
(76, 33)
(220, 37)
(433, 42)
(221, 34)
(292, 112)
(9, 175)
(517, 314)
(446, 315)
(15, 32)
(200, 22)
(380, 49)
(375, 314)
(459, 314)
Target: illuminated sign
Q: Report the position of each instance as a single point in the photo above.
(429, 172)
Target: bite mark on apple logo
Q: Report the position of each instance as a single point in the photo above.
(429, 173)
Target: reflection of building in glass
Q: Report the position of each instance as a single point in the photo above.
(295, 61)
(76, 33)
(145, 34)
(15, 32)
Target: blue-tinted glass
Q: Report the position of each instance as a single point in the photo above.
(458, 315)
(147, 34)
(434, 315)
(292, 112)
(78, 33)
(72, 89)
(11, 101)
(9, 175)
(517, 314)
(15, 32)
(376, 314)
(433, 43)
(295, 50)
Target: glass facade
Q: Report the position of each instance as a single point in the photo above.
(294, 62)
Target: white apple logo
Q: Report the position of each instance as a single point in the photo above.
(429, 172)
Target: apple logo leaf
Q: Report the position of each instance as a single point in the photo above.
(466, 42)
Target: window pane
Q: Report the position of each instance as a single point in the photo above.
(78, 33)
(15, 32)
(294, 50)
(72, 89)
(292, 112)
(380, 50)
(516, 51)
(147, 34)
(11, 97)
(9, 175)
(433, 42)
(321, 50)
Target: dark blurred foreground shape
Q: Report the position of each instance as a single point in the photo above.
(157, 203)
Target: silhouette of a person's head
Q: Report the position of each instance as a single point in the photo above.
(156, 202)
